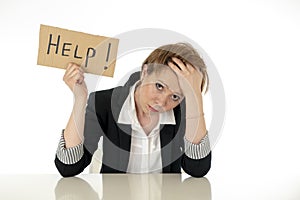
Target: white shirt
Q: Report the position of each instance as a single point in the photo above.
(145, 151)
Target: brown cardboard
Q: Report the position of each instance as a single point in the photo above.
(95, 54)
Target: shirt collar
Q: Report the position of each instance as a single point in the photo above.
(128, 111)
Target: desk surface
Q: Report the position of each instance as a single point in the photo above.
(104, 186)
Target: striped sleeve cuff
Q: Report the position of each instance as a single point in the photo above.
(68, 155)
(197, 151)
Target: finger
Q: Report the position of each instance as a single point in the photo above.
(71, 68)
(79, 79)
(180, 64)
(195, 69)
(69, 65)
(190, 67)
(74, 74)
(175, 68)
(70, 71)
(81, 70)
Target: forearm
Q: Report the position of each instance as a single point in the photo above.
(197, 158)
(71, 155)
(73, 133)
(195, 121)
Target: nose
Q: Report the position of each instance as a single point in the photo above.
(162, 100)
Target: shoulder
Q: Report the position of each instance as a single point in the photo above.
(107, 95)
(116, 92)
(105, 100)
(102, 95)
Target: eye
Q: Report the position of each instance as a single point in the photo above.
(159, 86)
(175, 97)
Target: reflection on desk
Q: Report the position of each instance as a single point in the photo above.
(103, 186)
(133, 186)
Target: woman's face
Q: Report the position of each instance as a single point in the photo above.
(158, 92)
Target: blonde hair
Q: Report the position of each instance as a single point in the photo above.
(183, 51)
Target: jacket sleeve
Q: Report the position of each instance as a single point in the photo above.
(196, 167)
(196, 158)
(197, 151)
(73, 161)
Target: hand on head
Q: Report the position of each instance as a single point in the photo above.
(189, 77)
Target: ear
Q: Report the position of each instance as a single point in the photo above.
(144, 72)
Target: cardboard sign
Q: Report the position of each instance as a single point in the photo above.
(95, 54)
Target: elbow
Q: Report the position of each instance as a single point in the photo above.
(66, 174)
(200, 173)
(197, 168)
(66, 170)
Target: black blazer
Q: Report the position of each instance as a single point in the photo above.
(101, 118)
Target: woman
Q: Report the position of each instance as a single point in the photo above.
(154, 124)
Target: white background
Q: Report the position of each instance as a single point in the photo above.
(254, 44)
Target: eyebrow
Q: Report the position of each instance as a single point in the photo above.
(177, 93)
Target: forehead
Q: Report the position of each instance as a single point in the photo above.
(167, 77)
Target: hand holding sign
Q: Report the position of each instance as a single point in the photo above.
(57, 47)
(74, 78)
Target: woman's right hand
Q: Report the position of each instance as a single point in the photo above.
(74, 78)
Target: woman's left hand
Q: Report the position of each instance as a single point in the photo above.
(189, 77)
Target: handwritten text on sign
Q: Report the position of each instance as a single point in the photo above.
(95, 54)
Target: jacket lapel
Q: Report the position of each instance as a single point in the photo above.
(166, 136)
(119, 96)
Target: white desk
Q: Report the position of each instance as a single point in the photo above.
(107, 186)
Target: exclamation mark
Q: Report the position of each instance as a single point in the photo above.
(107, 56)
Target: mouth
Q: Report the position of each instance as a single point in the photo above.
(152, 109)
